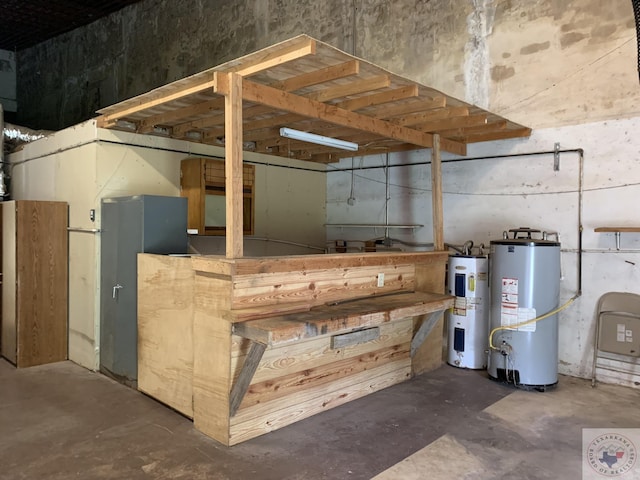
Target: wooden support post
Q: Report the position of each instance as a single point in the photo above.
(233, 165)
(436, 195)
(243, 381)
(424, 331)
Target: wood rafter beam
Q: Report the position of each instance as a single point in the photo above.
(316, 77)
(389, 111)
(455, 122)
(147, 125)
(352, 88)
(337, 155)
(108, 120)
(289, 102)
(430, 116)
(180, 131)
(380, 98)
(257, 63)
(498, 135)
(278, 120)
(465, 131)
(295, 83)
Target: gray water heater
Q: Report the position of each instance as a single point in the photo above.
(525, 284)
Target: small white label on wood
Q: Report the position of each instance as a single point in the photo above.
(354, 338)
(381, 280)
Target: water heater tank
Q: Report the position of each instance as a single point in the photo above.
(525, 284)
(468, 320)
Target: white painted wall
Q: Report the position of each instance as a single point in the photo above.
(568, 70)
(482, 198)
(82, 164)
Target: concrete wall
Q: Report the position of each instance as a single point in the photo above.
(517, 57)
(482, 198)
(81, 165)
(567, 68)
(8, 78)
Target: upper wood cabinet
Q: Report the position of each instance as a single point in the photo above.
(202, 182)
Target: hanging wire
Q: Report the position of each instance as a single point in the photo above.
(636, 14)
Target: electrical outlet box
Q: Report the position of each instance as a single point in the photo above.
(381, 280)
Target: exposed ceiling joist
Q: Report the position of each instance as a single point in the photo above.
(307, 85)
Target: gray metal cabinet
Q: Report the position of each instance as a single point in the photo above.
(131, 225)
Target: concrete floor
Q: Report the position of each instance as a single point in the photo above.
(61, 421)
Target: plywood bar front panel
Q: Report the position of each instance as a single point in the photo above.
(165, 330)
(295, 309)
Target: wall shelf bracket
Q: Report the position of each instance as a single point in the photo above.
(617, 231)
(556, 157)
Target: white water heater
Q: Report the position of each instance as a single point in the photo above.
(525, 285)
(468, 320)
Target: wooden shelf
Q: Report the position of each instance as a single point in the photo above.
(342, 317)
(617, 231)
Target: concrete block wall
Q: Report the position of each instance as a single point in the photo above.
(566, 68)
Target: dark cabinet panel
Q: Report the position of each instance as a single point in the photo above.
(131, 225)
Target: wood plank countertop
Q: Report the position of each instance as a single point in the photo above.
(220, 265)
(341, 317)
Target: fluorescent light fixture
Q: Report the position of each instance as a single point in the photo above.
(319, 139)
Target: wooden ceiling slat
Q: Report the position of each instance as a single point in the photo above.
(431, 115)
(499, 135)
(291, 84)
(390, 111)
(202, 108)
(464, 131)
(278, 120)
(316, 77)
(451, 123)
(379, 98)
(373, 150)
(308, 85)
(311, 108)
(353, 88)
(109, 120)
(258, 63)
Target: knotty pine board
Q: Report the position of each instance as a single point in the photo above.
(342, 318)
(430, 278)
(211, 358)
(165, 330)
(260, 419)
(217, 264)
(319, 286)
(296, 357)
(293, 384)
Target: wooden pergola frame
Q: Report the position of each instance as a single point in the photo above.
(314, 87)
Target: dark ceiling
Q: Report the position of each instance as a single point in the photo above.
(24, 23)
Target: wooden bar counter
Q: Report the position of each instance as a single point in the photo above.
(246, 346)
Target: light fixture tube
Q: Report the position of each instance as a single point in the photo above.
(318, 139)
